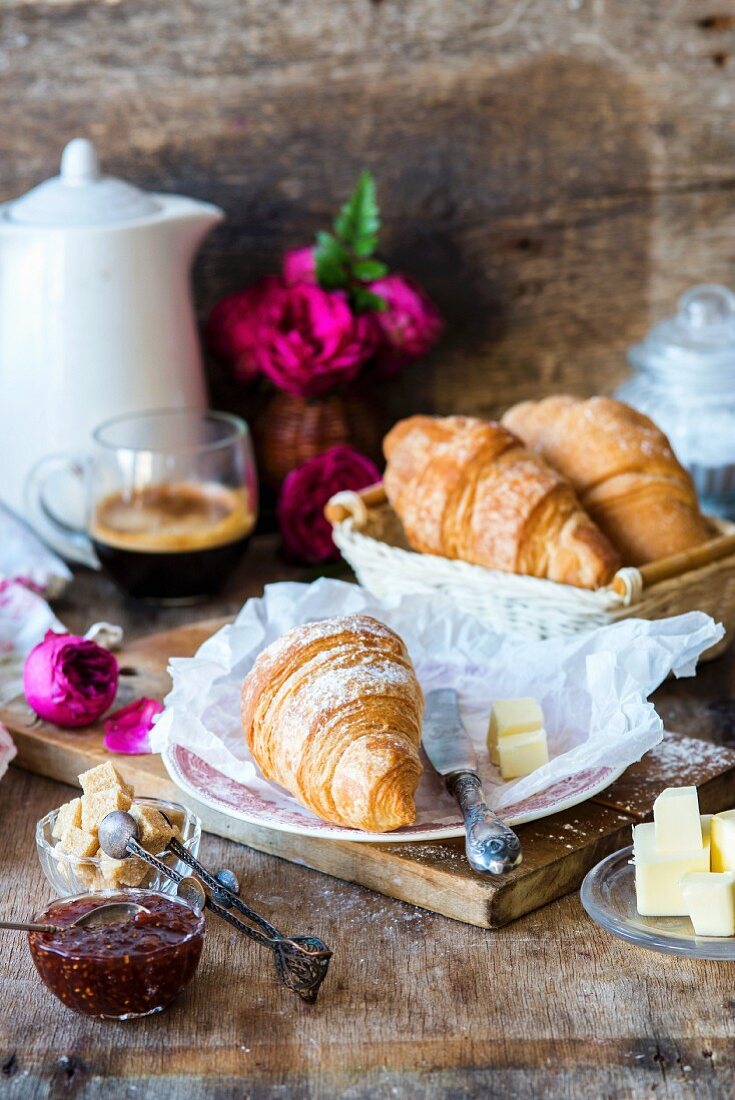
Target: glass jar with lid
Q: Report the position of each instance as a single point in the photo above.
(685, 381)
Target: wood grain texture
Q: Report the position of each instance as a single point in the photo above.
(556, 175)
(415, 1005)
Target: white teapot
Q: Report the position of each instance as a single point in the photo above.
(96, 317)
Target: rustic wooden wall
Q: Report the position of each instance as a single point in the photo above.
(556, 171)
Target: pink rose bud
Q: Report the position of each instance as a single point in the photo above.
(127, 729)
(69, 680)
(410, 325)
(306, 532)
(299, 266)
(311, 341)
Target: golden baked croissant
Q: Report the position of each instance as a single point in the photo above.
(467, 489)
(332, 712)
(623, 469)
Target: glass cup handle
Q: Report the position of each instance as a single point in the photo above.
(68, 540)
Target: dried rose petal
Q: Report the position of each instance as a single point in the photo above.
(69, 680)
(127, 730)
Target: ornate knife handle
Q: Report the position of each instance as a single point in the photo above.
(491, 846)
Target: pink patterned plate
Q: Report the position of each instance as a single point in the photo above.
(218, 791)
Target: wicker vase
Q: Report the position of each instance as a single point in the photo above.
(290, 430)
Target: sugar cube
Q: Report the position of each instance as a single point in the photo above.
(79, 842)
(124, 872)
(155, 832)
(98, 804)
(103, 777)
(70, 814)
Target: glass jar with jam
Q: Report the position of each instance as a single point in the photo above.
(120, 971)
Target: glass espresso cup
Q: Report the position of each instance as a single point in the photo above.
(169, 498)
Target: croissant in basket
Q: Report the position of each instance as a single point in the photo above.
(332, 712)
(467, 489)
(623, 468)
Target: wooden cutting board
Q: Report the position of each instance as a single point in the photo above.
(558, 851)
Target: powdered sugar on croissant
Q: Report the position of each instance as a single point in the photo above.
(332, 712)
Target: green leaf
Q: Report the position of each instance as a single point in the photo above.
(365, 301)
(331, 261)
(359, 218)
(369, 270)
(365, 247)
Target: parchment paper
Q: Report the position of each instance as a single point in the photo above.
(593, 688)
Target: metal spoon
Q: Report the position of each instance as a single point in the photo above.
(103, 915)
(301, 961)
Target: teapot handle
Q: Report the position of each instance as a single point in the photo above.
(67, 539)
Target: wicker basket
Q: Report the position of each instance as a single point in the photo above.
(371, 538)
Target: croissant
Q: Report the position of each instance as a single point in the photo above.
(332, 711)
(623, 468)
(467, 489)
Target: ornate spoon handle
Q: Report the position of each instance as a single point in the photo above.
(491, 845)
(301, 961)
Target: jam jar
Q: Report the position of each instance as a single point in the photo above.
(685, 381)
(131, 968)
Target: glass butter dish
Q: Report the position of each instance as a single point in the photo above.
(608, 895)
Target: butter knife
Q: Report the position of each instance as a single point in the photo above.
(491, 846)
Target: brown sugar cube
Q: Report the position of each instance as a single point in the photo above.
(124, 872)
(86, 875)
(99, 804)
(155, 832)
(79, 842)
(70, 814)
(102, 778)
(176, 817)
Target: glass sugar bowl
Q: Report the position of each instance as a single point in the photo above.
(685, 381)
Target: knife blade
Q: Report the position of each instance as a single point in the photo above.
(491, 846)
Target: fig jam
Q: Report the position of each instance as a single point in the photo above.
(131, 968)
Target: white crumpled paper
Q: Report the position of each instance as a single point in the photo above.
(593, 688)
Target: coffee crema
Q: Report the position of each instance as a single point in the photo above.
(172, 541)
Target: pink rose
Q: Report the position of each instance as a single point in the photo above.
(310, 340)
(299, 266)
(127, 730)
(306, 532)
(410, 325)
(69, 680)
(232, 329)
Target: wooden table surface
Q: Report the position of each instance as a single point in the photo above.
(415, 1005)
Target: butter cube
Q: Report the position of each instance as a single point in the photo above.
(97, 805)
(511, 716)
(70, 814)
(521, 753)
(710, 898)
(77, 842)
(723, 841)
(102, 778)
(676, 815)
(658, 874)
(155, 832)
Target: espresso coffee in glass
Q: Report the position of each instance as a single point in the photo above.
(172, 501)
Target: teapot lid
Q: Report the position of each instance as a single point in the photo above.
(81, 195)
(698, 341)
